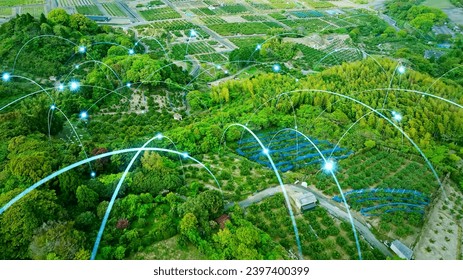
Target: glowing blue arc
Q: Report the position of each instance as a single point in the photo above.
(331, 172)
(118, 187)
(389, 121)
(283, 189)
(79, 163)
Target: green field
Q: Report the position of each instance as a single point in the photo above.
(113, 9)
(5, 11)
(89, 10)
(35, 11)
(441, 4)
(10, 3)
(160, 14)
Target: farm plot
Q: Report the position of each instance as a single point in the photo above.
(180, 50)
(259, 5)
(233, 9)
(89, 10)
(319, 4)
(203, 12)
(245, 28)
(6, 11)
(309, 25)
(322, 236)
(283, 4)
(254, 18)
(159, 27)
(113, 9)
(75, 3)
(246, 42)
(215, 58)
(289, 151)
(159, 14)
(212, 20)
(10, 3)
(34, 11)
(306, 14)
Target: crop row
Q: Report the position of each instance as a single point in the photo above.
(113, 9)
(160, 14)
(10, 3)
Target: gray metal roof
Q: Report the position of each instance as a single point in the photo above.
(308, 199)
(401, 250)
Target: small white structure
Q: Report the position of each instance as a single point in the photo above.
(401, 250)
(306, 202)
(177, 117)
(304, 184)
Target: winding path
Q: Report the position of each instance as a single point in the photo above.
(329, 205)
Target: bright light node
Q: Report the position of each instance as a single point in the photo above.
(397, 117)
(193, 33)
(6, 77)
(329, 166)
(53, 107)
(185, 155)
(219, 67)
(77, 66)
(61, 87)
(74, 85)
(82, 49)
(83, 115)
(226, 72)
(265, 151)
(131, 51)
(159, 136)
(93, 174)
(258, 47)
(276, 68)
(401, 69)
(129, 85)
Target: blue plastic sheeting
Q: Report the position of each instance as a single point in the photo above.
(289, 150)
(381, 190)
(406, 207)
(397, 200)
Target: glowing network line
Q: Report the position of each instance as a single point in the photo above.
(158, 136)
(74, 85)
(6, 77)
(275, 170)
(329, 166)
(389, 121)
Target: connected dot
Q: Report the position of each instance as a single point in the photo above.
(159, 136)
(93, 174)
(396, 116)
(82, 49)
(401, 69)
(131, 51)
(83, 115)
(193, 33)
(53, 107)
(276, 68)
(329, 166)
(265, 151)
(6, 77)
(74, 86)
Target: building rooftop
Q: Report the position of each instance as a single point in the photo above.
(401, 250)
(308, 199)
